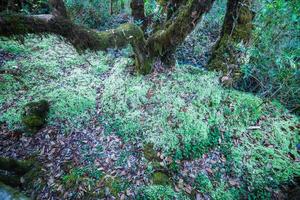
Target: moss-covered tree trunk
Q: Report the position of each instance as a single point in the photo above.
(7, 193)
(173, 6)
(164, 42)
(237, 27)
(161, 44)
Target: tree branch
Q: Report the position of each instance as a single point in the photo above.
(80, 37)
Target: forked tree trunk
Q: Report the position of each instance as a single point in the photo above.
(237, 27)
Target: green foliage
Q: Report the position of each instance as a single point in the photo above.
(223, 192)
(90, 13)
(35, 7)
(12, 46)
(175, 117)
(94, 13)
(115, 185)
(273, 69)
(186, 113)
(150, 6)
(203, 184)
(160, 178)
(68, 83)
(156, 192)
(82, 176)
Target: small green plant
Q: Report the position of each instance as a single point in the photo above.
(187, 115)
(82, 174)
(203, 183)
(159, 192)
(68, 83)
(273, 67)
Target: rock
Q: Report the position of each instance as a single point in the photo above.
(34, 116)
(160, 178)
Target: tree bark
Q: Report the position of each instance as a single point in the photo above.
(111, 9)
(173, 6)
(237, 27)
(81, 38)
(164, 42)
(138, 12)
(58, 8)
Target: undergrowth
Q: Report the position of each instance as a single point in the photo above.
(186, 113)
(53, 71)
(273, 69)
(159, 192)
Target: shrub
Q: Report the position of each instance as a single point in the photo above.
(273, 69)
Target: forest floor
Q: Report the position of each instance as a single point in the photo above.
(112, 134)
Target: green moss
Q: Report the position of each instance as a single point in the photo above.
(87, 176)
(203, 184)
(35, 114)
(114, 185)
(160, 178)
(149, 153)
(159, 192)
(16, 166)
(186, 114)
(222, 192)
(69, 82)
(11, 172)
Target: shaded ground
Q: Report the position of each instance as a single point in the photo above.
(86, 150)
(84, 153)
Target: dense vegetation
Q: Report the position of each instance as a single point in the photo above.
(159, 107)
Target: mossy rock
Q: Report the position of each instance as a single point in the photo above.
(149, 153)
(12, 170)
(160, 178)
(20, 167)
(34, 116)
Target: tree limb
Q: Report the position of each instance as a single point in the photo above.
(80, 37)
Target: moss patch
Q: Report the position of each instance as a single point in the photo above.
(186, 113)
(149, 153)
(35, 113)
(113, 185)
(68, 82)
(159, 192)
(160, 178)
